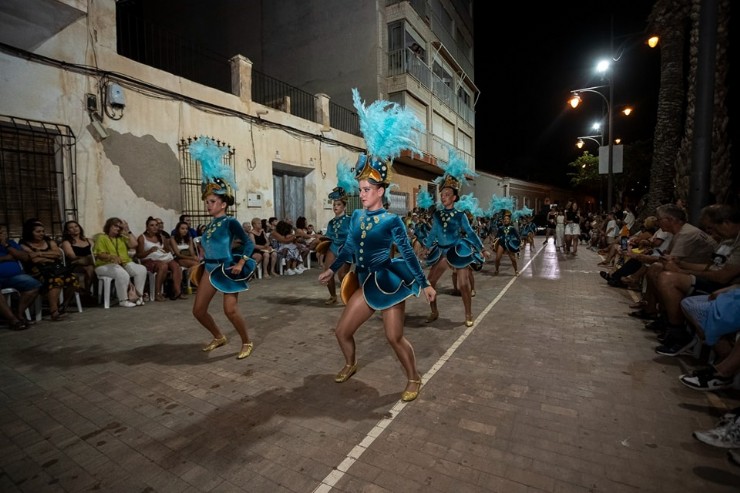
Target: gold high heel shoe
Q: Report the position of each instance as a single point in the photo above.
(215, 343)
(346, 372)
(432, 317)
(246, 350)
(331, 301)
(409, 395)
(469, 321)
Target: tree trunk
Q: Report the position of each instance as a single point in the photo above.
(668, 20)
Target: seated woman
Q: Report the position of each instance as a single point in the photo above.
(263, 251)
(288, 248)
(45, 264)
(182, 246)
(112, 260)
(156, 256)
(306, 241)
(77, 250)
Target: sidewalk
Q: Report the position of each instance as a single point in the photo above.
(553, 389)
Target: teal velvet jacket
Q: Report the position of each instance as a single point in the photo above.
(385, 281)
(453, 238)
(217, 241)
(337, 231)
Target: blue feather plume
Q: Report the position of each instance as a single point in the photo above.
(210, 155)
(346, 177)
(469, 203)
(388, 128)
(424, 200)
(455, 167)
(520, 213)
(499, 204)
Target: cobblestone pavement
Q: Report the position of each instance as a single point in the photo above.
(553, 389)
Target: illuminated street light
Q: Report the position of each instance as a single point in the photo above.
(596, 138)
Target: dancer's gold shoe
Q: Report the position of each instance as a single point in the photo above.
(469, 321)
(472, 293)
(215, 343)
(409, 395)
(246, 350)
(331, 301)
(346, 372)
(432, 317)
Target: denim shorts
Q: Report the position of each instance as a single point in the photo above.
(21, 282)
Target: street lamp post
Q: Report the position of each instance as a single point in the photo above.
(574, 102)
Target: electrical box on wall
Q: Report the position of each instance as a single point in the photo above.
(116, 97)
(254, 200)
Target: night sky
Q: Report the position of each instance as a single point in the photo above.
(528, 59)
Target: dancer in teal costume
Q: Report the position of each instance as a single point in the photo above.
(452, 242)
(225, 270)
(385, 282)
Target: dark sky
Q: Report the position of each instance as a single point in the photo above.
(529, 58)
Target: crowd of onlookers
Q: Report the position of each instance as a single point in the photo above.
(688, 278)
(41, 272)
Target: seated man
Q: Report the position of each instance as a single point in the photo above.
(716, 319)
(643, 254)
(681, 278)
(689, 244)
(13, 276)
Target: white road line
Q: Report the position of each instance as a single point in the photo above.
(337, 474)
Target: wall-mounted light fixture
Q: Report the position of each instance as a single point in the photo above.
(262, 112)
(277, 154)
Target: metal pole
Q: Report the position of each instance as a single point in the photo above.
(610, 179)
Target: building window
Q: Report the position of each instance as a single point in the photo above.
(190, 181)
(38, 175)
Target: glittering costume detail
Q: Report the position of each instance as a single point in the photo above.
(385, 281)
(508, 237)
(453, 238)
(337, 231)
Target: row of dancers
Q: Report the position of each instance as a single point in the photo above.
(369, 253)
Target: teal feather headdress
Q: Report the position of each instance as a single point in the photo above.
(499, 204)
(469, 203)
(388, 129)
(455, 171)
(216, 177)
(519, 213)
(424, 199)
(346, 183)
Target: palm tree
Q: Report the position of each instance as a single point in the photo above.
(669, 20)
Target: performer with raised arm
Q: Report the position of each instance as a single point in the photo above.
(382, 282)
(452, 242)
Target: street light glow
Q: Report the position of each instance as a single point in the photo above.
(575, 101)
(602, 66)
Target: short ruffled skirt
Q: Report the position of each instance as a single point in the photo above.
(460, 255)
(222, 279)
(390, 284)
(510, 243)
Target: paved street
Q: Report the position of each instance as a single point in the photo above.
(554, 389)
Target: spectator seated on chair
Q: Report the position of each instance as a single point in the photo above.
(680, 278)
(306, 241)
(45, 264)
(288, 248)
(12, 276)
(153, 250)
(184, 218)
(182, 246)
(264, 254)
(112, 260)
(77, 250)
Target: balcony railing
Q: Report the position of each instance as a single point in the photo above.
(283, 97)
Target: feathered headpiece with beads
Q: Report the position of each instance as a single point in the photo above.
(520, 213)
(469, 204)
(217, 178)
(346, 183)
(455, 171)
(388, 129)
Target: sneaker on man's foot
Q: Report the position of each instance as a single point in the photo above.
(290, 272)
(127, 304)
(725, 435)
(706, 379)
(676, 346)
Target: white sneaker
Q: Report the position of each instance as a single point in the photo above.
(290, 272)
(300, 269)
(127, 304)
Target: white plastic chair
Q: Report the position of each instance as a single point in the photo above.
(77, 294)
(9, 292)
